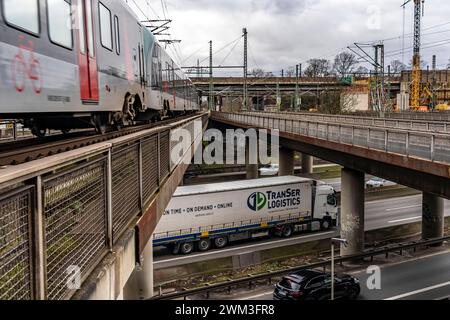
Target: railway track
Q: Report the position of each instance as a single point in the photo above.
(19, 152)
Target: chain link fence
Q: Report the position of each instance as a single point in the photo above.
(15, 245)
(75, 224)
(125, 187)
(58, 224)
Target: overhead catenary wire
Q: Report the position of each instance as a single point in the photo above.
(229, 53)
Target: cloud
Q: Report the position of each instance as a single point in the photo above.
(283, 33)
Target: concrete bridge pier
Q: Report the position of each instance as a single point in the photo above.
(140, 285)
(307, 164)
(432, 216)
(352, 211)
(286, 162)
(251, 160)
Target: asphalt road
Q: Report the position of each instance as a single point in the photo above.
(425, 278)
(379, 214)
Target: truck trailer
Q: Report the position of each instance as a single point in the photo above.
(213, 215)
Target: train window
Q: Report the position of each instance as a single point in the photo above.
(90, 29)
(59, 17)
(81, 27)
(117, 33)
(156, 51)
(24, 16)
(105, 27)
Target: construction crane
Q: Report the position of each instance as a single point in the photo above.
(416, 73)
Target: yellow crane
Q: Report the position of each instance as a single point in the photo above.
(416, 72)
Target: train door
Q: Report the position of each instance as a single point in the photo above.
(87, 56)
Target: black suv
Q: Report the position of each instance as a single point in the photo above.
(316, 285)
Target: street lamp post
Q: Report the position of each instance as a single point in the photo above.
(333, 242)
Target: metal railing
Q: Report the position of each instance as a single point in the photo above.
(430, 146)
(252, 279)
(437, 126)
(426, 116)
(61, 215)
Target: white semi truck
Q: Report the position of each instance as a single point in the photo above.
(213, 215)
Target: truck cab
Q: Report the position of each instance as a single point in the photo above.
(326, 205)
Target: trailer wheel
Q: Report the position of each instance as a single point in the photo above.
(287, 231)
(204, 245)
(220, 242)
(187, 248)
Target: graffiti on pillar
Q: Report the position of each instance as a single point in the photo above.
(350, 225)
(427, 214)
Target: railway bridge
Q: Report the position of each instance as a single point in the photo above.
(78, 225)
(414, 153)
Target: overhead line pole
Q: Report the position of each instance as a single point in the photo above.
(245, 102)
(297, 69)
(211, 84)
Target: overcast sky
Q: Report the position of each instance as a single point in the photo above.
(283, 33)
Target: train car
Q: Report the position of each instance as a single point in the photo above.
(68, 64)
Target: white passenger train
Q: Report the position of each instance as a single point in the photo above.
(78, 63)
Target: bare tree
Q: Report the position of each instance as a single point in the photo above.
(345, 63)
(362, 70)
(397, 66)
(258, 73)
(290, 72)
(318, 68)
(336, 102)
(349, 100)
(423, 64)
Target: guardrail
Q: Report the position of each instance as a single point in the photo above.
(403, 124)
(59, 216)
(251, 279)
(430, 146)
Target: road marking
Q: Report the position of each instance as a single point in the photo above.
(393, 199)
(402, 208)
(320, 235)
(413, 293)
(258, 295)
(406, 219)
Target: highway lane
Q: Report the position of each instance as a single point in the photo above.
(394, 212)
(426, 278)
(379, 214)
(171, 261)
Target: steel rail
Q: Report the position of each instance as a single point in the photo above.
(32, 150)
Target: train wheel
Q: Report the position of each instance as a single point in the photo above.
(221, 242)
(38, 132)
(187, 248)
(101, 123)
(204, 245)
